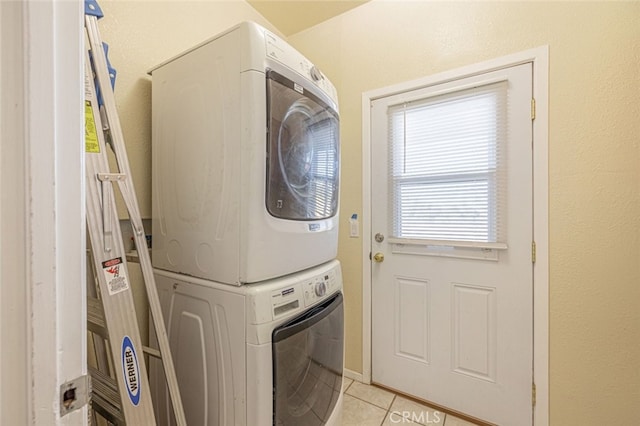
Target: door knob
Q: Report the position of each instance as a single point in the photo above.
(378, 257)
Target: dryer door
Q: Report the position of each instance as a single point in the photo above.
(303, 152)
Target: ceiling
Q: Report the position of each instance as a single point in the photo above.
(292, 16)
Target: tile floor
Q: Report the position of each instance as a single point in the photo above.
(366, 405)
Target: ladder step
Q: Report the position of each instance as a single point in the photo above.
(97, 325)
(95, 317)
(152, 352)
(110, 414)
(105, 397)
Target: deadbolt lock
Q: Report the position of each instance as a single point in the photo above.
(379, 237)
(378, 257)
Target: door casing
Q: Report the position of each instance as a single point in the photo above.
(539, 57)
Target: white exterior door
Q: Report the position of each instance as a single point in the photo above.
(452, 273)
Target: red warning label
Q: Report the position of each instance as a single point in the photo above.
(116, 275)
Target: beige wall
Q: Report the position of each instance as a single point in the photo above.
(594, 167)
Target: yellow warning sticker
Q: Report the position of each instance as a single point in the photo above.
(90, 136)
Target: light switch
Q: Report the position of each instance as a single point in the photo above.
(354, 226)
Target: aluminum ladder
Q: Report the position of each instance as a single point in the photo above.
(120, 386)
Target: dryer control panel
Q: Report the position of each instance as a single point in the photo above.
(282, 52)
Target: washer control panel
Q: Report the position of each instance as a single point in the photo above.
(285, 300)
(285, 297)
(316, 288)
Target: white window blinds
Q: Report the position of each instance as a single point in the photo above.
(447, 166)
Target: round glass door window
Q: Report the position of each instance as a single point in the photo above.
(303, 152)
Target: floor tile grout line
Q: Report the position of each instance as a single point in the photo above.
(368, 402)
(374, 405)
(388, 409)
(393, 400)
(394, 395)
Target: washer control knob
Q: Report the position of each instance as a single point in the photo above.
(315, 73)
(321, 289)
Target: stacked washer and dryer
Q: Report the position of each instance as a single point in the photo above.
(245, 227)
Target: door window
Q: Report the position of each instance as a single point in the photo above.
(303, 152)
(447, 166)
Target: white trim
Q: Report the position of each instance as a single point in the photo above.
(541, 235)
(540, 59)
(353, 375)
(14, 407)
(367, 98)
(55, 237)
(447, 243)
(40, 238)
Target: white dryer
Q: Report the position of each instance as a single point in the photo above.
(245, 160)
(256, 355)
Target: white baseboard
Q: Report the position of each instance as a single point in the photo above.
(353, 375)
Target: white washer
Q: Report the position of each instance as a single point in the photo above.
(245, 160)
(265, 354)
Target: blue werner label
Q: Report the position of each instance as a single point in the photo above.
(130, 370)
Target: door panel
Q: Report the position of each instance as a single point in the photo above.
(474, 331)
(452, 321)
(412, 309)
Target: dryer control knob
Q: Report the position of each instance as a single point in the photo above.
(315, 73)
(321, 289)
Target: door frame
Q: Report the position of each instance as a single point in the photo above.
(43, 274)
(539, 57)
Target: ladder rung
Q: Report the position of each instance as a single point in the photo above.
(95, 317)
(111, 177)
(105, 385)
(152, 352)
(111, 414)
(105, 396)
